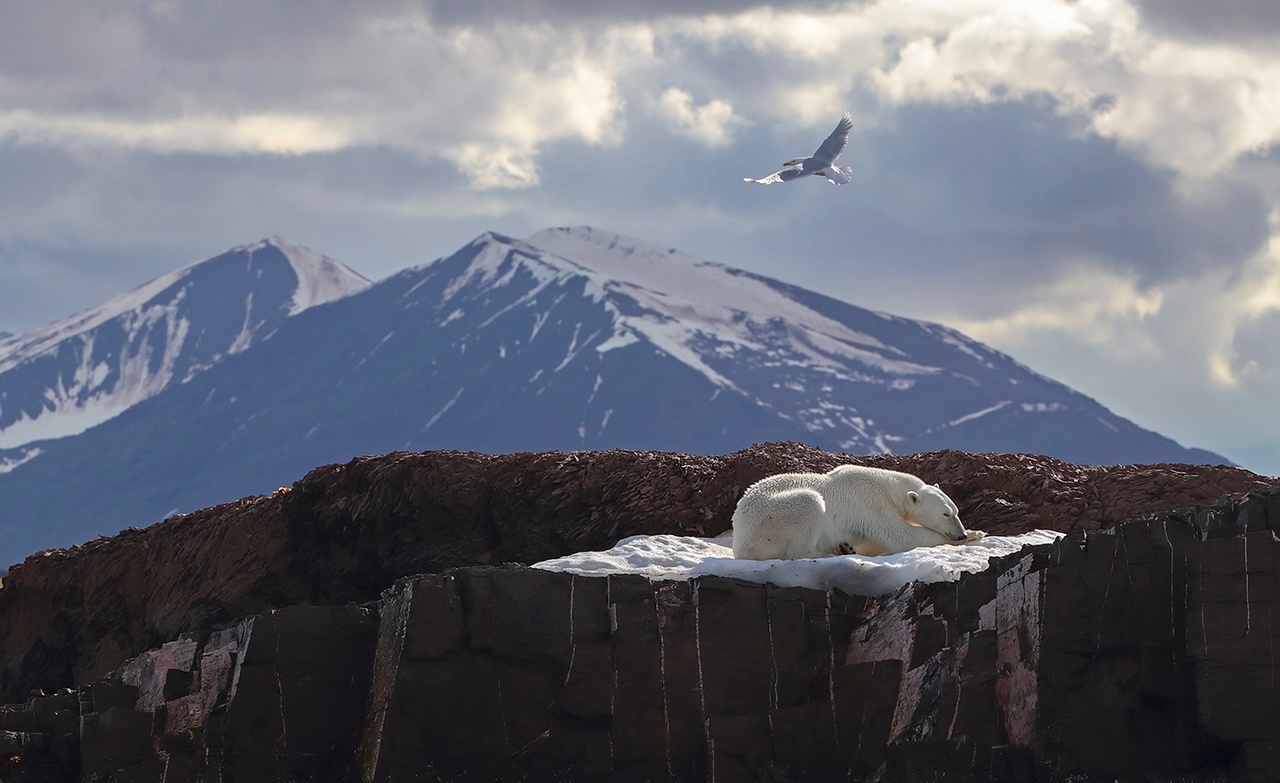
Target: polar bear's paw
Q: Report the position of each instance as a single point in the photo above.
(863, 548)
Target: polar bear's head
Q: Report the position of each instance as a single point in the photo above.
(930, 507)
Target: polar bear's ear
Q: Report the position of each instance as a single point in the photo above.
(913, 496)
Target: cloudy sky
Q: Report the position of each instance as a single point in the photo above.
(1090, 186)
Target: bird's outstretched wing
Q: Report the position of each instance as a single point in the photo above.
(839, 175)
(785, 175)
(834, 145)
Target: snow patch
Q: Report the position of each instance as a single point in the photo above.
(619, 339)
(679, 558)
(431, 422)
(64, 420)
(320, 278)
(1043, 407)
(46, 339)
(9, 463)
(247, 330)
(981, 413)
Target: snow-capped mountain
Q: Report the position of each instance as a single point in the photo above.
(572, 339)
(76, 373)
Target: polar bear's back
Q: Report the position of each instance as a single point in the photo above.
(868, 484)
(783, 494)
(855, 483)
(781, 482)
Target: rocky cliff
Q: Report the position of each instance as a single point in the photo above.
(343, 630)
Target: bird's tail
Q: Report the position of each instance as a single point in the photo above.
(839, 175)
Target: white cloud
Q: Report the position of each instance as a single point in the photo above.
(361, 76)
(1244, 302)
(495, 166)
(1189, 106)
(1192, 322)
(385, 74)
(1096, 305)
(711, 123)
(248, 133)
(1193, 357)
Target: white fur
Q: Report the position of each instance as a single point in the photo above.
(850, 508)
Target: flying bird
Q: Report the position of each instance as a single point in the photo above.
(820, 164)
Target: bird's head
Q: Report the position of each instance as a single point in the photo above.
(793, 162)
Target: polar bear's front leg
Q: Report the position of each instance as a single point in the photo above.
(868, 549)
(864, 548)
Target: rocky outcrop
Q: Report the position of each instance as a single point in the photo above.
(346, 532)
(1141, 652)
(353, 628)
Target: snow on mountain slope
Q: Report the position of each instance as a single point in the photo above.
(838, 373)
(73, 374)
(684, 301)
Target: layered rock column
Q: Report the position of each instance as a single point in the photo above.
(498, 674)
(502, 674)
(279, 696)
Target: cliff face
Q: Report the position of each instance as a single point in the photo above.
(1142, 650)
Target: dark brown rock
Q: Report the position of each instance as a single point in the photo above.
(1139, 651)
(346, 532)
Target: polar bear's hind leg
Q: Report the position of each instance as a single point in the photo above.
(782, 525)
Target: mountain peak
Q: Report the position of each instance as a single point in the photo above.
(75, 373)
(320, 278)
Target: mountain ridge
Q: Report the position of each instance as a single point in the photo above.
(506, 346)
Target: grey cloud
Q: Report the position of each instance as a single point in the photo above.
(1255, 344)
(168, 58)
(950, 211)
(1017, 175)
(74, 233)
(33, 175)
(1220, 19)
(455, 12)
(987, 202)
(954, 213)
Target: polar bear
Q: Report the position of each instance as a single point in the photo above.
(849, 509)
